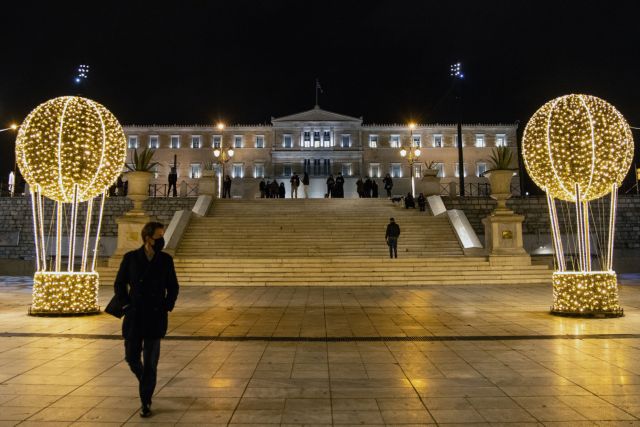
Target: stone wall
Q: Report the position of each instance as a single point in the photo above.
(537, 216)
(15, 216)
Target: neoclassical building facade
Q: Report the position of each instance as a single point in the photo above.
(320, 143)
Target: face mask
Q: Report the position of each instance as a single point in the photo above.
(158, 244)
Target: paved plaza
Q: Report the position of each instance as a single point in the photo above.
(484, 355)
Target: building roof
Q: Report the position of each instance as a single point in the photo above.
(316, 114)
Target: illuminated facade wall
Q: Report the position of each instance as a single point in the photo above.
(320, 142)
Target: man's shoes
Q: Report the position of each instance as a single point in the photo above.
(145, 412)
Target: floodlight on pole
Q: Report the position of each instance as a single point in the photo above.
(457, 75)
(82, 74)
(456, 70)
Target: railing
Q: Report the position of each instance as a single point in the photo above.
(162, 190)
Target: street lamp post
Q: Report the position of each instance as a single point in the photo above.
(12, 184)
(412, 157)
(223, 156)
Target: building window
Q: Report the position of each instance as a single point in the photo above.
(287, 141)
(346, 141)
(237, 141)
(287, 170)
(480, 140)
(175, 142)
(196, 141)
(237, 171)
(195, 170)
(417, 170)
(155, 170)
(373, 141)
(258, 170)
(439, 166)
(259, 141)
(132, 142)
(481, 168)
(394, 141)
(306, 139)
(457, 170)
(326, 139)
(154, 142)
(396, 170)
(316, 139)
(501, 140)
(216, 141)
(437, 141)
(417, 141)
(346, 169)
(374, 170)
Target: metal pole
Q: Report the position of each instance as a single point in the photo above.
(460, 155)
(72, 228)
(95, 247)
(87, 231)
(36, 237)
(555, 229)
(612, 225)
(58, 236)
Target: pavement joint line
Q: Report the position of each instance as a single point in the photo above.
(432, 338)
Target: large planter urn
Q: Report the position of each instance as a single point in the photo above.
(208, 184)
(138, 190)
(500, 181)
(430, 184)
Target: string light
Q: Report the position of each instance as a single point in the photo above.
(577, 140)
(585, 292)
(70, 141)
(69, 149)
(65, 293)
(578, 148)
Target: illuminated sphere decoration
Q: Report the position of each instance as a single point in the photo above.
(577, 140)
(69, 141)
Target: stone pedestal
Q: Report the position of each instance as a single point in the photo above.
(503, 235)
(129, 228)
(208, 184)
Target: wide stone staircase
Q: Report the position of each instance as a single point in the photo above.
(328, 242)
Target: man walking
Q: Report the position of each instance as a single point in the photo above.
(295, 183)
(147, 288)
(392, 234)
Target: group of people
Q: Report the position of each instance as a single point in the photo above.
(367, 188)
(272, 190)
(335, 187)
(410, 201)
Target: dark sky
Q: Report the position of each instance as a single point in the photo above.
(200, 61)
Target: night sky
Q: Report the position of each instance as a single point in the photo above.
(197, 62)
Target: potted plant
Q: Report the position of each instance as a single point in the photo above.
(500, 173)
(139, 176)
(430, 169)
(430, 184)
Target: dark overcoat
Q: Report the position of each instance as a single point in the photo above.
(150, 289)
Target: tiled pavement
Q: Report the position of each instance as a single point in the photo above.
(477, 355)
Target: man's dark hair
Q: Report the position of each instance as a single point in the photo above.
(392, 220)
(149, 229)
